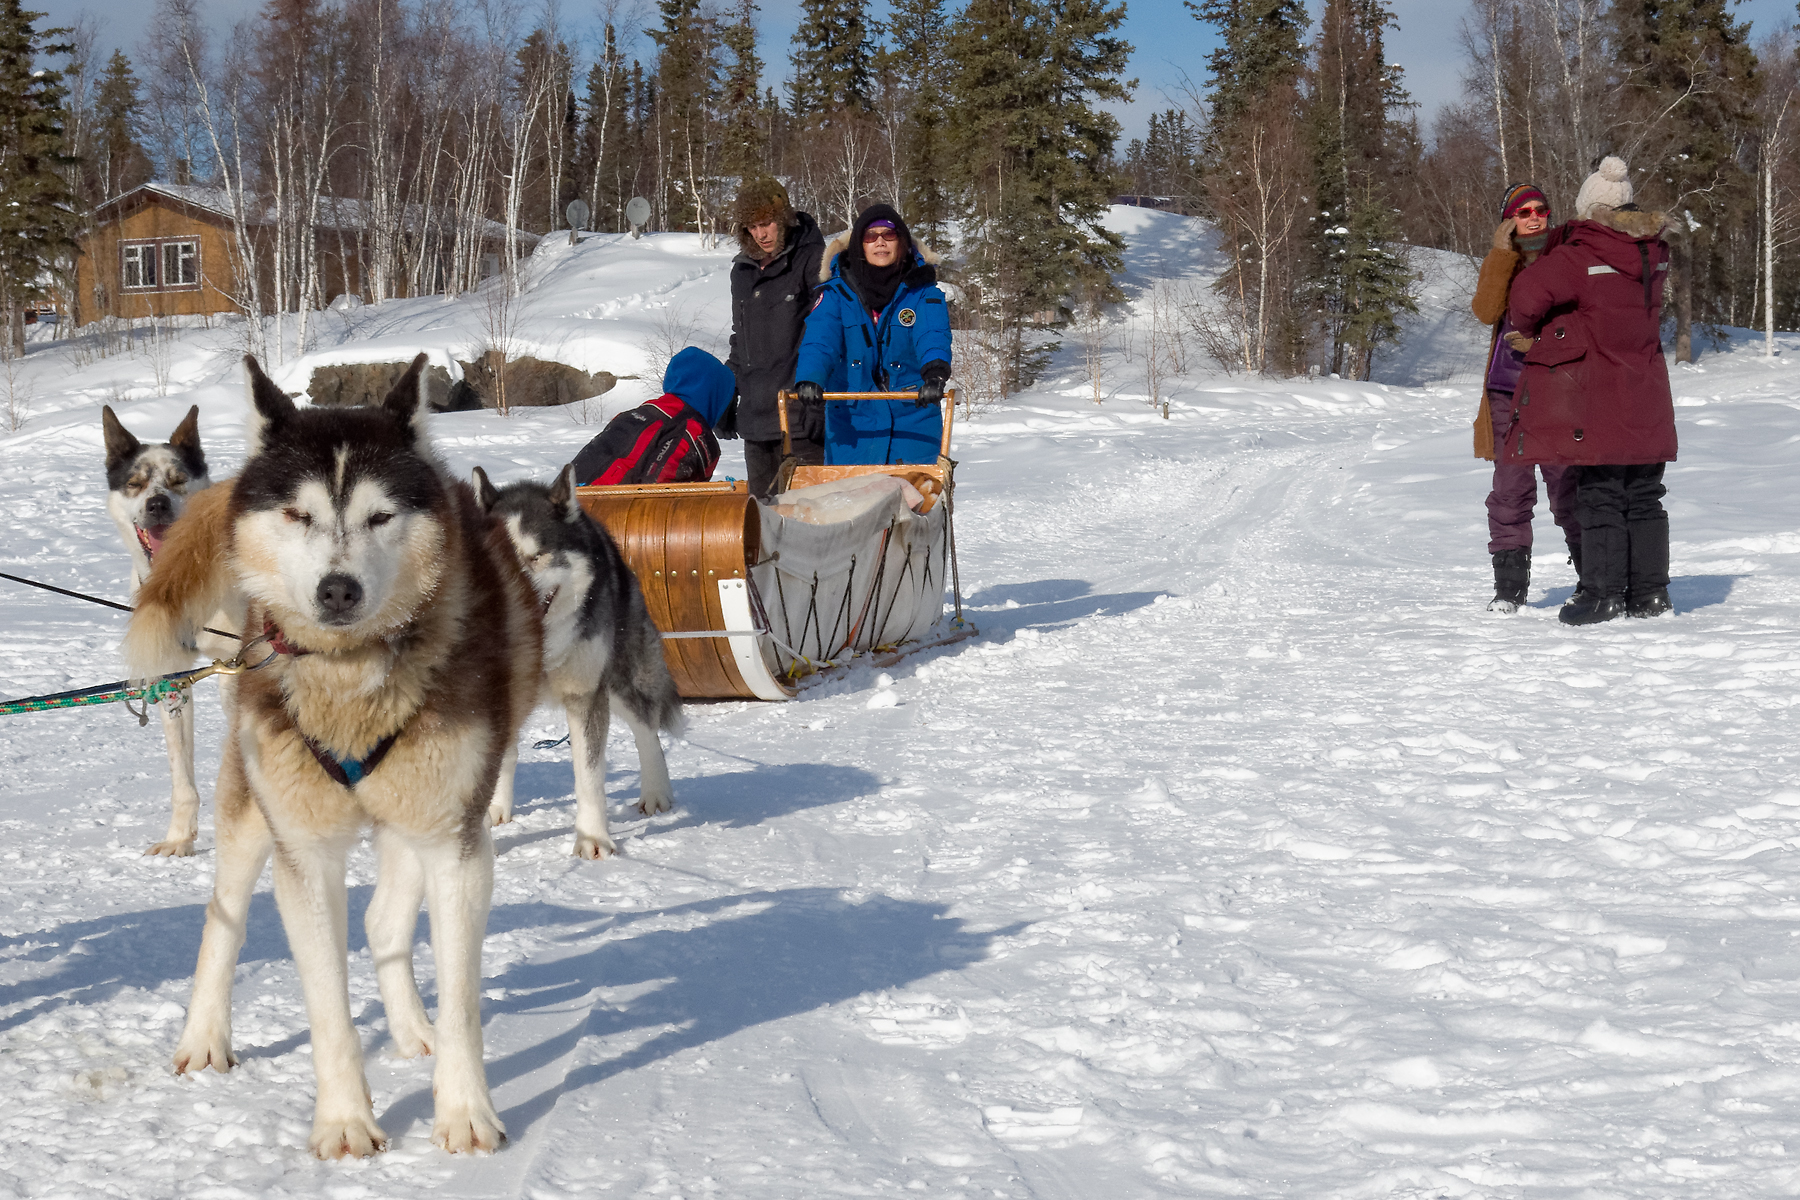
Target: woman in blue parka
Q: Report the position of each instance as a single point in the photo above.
(879, 324)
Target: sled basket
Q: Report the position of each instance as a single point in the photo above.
(749, 601)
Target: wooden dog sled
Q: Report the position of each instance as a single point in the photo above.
(750, 600)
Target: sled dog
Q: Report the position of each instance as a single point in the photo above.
(600, 648)
(404, 647)
(148, 487)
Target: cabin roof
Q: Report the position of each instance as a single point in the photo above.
(335, 212)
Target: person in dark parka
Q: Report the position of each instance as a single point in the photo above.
(879, 324)
(1594, 392)
(772, 281)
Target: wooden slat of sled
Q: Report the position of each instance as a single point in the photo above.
(930, 479)
(680, 540)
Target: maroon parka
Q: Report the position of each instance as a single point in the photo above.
(1595, 389)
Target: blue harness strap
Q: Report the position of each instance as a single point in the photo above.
(348, 772)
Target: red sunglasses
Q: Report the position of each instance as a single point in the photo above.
(1531, 210)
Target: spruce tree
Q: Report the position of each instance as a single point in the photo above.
(917, 30)
(745, 141)
(1688, 84)
(1360, 285)
(37, 208)
(119, 162)
(834, 56)
(687, 75)
(1253, 180)
(1261, 50)
(1033, 158)
(604, 152)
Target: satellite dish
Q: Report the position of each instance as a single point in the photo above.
(577, 212)
(638, 214)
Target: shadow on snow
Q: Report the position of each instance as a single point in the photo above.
(761, 957)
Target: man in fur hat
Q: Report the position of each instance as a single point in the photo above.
(772, 281)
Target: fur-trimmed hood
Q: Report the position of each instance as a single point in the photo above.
(923, 256)
(1635, 224)
(799, 230)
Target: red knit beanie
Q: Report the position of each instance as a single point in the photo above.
(1518, 194)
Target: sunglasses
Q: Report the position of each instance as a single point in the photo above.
(880, 235)
(1531, 210)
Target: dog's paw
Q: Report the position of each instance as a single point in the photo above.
(592, 847)
(356, 1136)
(498, 815)
(200, 1049)
(465, 1129)
(650, 805)
(172, 848)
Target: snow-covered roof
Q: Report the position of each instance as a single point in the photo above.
(335, 212)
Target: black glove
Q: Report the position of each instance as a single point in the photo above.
(727, 425)
(809, 422)
(932, 378)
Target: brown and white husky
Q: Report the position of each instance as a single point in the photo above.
(406, 647)
(148, 486)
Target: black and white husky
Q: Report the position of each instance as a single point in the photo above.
(148, 487)
(600, 649)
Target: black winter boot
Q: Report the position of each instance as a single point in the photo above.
(1512, 579)
(1601, 596)
(1648, 592)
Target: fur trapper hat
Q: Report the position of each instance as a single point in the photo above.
(1607, 186)
(758, 200)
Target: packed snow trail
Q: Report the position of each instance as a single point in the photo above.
(1243, 854)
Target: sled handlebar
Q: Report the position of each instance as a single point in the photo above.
(787, 437)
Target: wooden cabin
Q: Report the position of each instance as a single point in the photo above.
(168, 249)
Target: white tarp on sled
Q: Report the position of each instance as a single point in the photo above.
(868, 583)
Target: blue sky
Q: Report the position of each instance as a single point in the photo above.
(1170, 44)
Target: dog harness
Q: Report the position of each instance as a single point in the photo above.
(348, 772)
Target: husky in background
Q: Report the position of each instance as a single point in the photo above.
(148, 488)
(600, 649)
(406, 651)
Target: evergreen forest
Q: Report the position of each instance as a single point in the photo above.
(988, 122)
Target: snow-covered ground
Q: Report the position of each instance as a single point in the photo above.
(1243, 854)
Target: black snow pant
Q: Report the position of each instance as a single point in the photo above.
(1624, 530)
(763, 459)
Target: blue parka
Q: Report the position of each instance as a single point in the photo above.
(846, 350)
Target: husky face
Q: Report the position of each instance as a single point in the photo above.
(341, 520)
(148, 485)
(554, 542)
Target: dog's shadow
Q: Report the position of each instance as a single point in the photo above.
(759, 957)
(732, 800)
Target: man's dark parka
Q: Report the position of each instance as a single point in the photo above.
(769, 305)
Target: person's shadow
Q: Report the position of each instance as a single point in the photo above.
(1049, 604)
(763, 956)
(1686, 592)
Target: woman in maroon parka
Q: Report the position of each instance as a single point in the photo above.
(1594, 392)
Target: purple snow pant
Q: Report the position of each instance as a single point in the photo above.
(1514, 497)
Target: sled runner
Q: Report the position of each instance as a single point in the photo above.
(752, 597)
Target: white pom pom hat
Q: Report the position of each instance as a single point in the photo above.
(1606, 187)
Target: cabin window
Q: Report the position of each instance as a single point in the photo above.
(160, 266)
(139, 266)
(180, 264)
